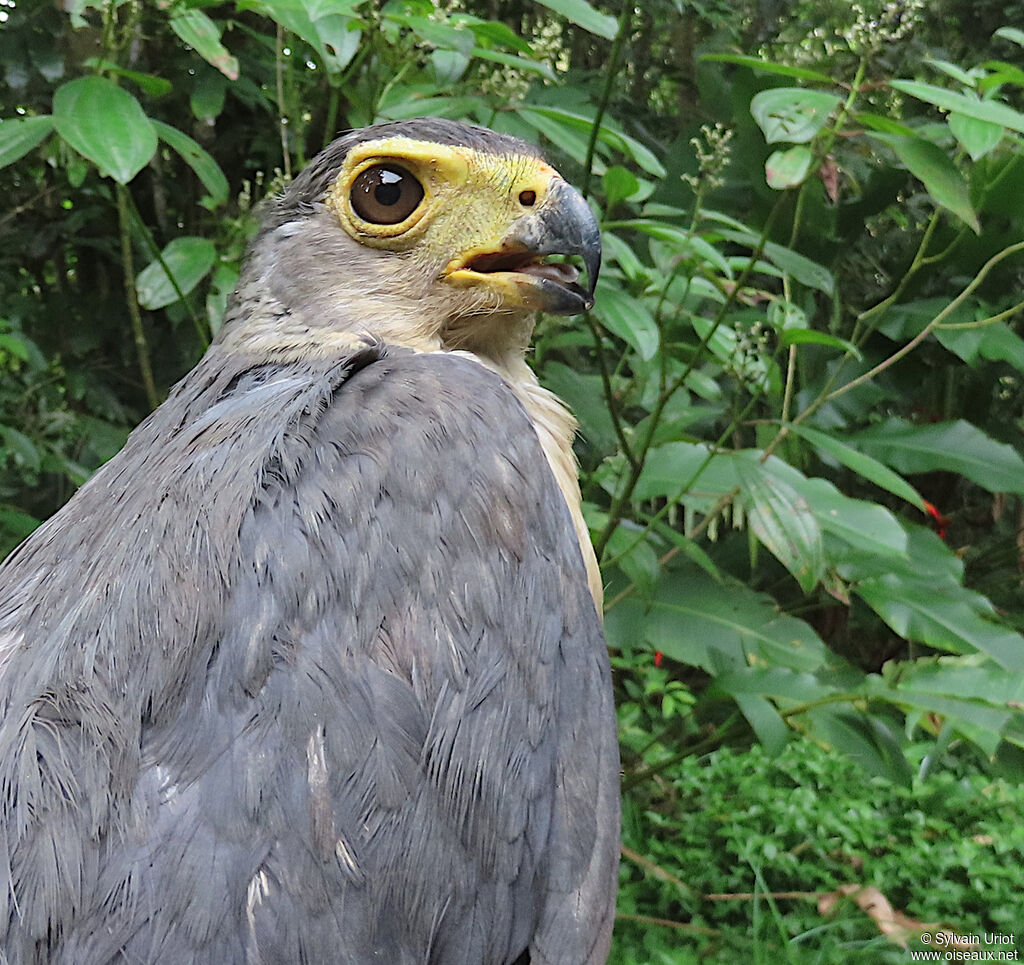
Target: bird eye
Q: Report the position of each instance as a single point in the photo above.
(385, 194)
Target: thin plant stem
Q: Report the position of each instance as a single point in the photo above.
(625, 17)
(128, 267)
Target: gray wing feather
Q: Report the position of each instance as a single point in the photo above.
(309, 673)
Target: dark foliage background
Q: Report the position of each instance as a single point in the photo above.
(800, 393)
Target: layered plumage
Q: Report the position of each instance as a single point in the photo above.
(310, 671)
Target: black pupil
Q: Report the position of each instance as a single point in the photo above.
(389, 190)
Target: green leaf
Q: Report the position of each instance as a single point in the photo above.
(147, 83)
(628, 318)
(18, 135)
(977, 137)
(808, 336)
(187, 259)
(339, 41)
(775, 682)
(558, 132)
(1012, 34)
(782, 520)
(512, 60)
(787, 169)
(197, 30)
(618, 184)
(770, 728)
(206, 168)
(767, 67)
(945, 617)
(792, 114)
(105, 124)
(719, 627)
(922, 598)
(323, 8)
(991, 111)
(860, 463)
(949, 446)
(930, 165)
(22, 448)
(864, 739)
(802, 269)
(584, 15)
(606, 134)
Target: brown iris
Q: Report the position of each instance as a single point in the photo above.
(385, 194)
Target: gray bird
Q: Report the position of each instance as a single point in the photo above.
(312, 670)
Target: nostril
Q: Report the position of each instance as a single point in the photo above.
(527, 198)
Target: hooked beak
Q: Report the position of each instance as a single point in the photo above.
(562, 225)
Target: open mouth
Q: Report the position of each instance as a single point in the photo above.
(559, 280)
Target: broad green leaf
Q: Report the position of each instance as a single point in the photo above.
(949, 446)
(862, 738)
(323, 8)
(148, 83)
(187, 259)
(437, 33)
(860, 463)
(635, 557)
(21, 447)
(584, 15)
(105, 124)
(18, 135)
(765, 720)
(496, 32)
(996, 342)
(979, 714)
(197, 30)
(787, 169)
(808, 336)
(977, 137)
(684, 243)
(206, 168)
(930, 164)
(859, 523)
(785, 316)
(560, 133)
(512, 60)
(1012, 34)
(719, 627)
(628, 318)
(618, 184)
(802, 269)
(338, 41)
(878, 122)
(952, 70)
(967, 678)
(782, 520)
(767, 67)
(779, 683)
(617, 250)
(943, 616)
(584, 394)
(991, 111)
(792, 114)
(606, 134)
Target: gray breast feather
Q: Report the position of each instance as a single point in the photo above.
(306, 673)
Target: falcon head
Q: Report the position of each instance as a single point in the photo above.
(426, 232)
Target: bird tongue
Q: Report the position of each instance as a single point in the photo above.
(561, 272)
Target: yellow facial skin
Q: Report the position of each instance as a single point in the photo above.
(474, 203)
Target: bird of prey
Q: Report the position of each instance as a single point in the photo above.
(312, 670)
